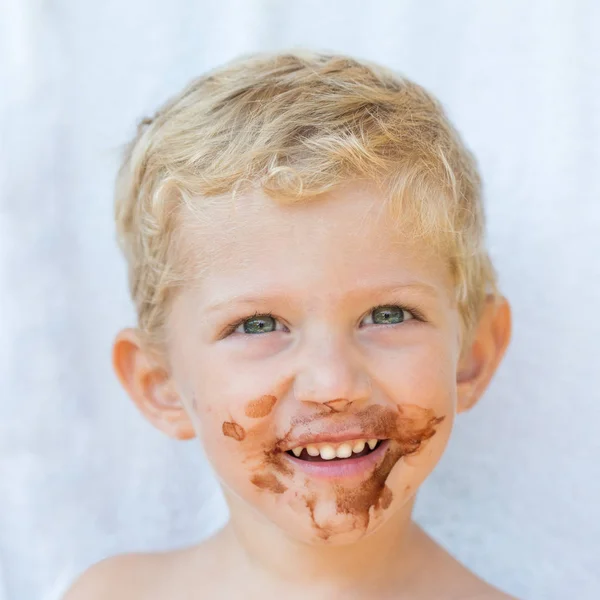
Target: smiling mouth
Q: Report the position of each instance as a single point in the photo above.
(328, 452)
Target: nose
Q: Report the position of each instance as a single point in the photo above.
(331, 373)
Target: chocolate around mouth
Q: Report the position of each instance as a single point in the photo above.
(307, 457)
(403, 431)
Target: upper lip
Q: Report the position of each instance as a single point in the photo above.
(323, 437)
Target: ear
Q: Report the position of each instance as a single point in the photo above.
(150, 386)
(480, 361)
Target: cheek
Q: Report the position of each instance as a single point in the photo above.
(241, 448)
(224, 435)
(235, 404)
(236, 410)
(235, 419)
(423, 374)
(223, 384)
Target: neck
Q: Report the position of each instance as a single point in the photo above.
(390, 554)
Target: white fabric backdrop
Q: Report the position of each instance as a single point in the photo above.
(82, 476)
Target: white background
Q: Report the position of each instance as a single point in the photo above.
(82, 475)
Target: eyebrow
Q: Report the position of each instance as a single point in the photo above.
(260, 298)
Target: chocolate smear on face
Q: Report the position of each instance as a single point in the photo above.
(406, 428)
(322, 532)
(233, 430)
(415, 425)
(410, 425)
(261, 407)
(269, 482)
(337, 405)
(276, 461)
(385, 499)
(260, 446)
(358, 501)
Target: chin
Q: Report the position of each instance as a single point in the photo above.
(322, 526)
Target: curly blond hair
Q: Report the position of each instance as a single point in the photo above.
(297, 125)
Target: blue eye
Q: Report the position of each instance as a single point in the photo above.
(387, 315)
(257, 324)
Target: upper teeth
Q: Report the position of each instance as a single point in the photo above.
(329, 451)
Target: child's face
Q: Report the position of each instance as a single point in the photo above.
(300, 334)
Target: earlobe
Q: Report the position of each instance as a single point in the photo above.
(478, 365)
(150, 386)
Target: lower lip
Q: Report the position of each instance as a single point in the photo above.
(336, 469)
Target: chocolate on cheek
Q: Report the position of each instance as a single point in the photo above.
(264, 476)
(276, 461)
(260, 447)
(257, 409)
(268, 482)
(233, 430)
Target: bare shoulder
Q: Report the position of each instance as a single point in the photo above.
(452, 576)
(498, 595)
(151, 576)
(491, 593)
(482, 590)
(122, 577)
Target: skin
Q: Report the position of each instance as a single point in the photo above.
(327, 366)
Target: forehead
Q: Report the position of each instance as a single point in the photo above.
(339, 240)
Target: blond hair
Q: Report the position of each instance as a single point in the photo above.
(297, 125)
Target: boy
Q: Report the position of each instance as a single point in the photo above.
(305, 241)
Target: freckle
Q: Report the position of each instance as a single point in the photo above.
(233, 430)
(261, 407)
(268, 482)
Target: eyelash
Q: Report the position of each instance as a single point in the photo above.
(415, 312)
